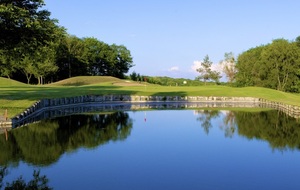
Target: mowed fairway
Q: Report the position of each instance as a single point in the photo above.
(16, 96)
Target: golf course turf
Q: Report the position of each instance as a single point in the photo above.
(16, 96)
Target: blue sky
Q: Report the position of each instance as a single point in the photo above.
(168, 37)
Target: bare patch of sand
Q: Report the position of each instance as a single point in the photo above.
(128, 83)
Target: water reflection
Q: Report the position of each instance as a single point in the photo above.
(277, 128)
(205, 117)
(43, 143)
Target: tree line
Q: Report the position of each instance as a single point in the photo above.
(275, 65)
(35, 49)
(164, 81)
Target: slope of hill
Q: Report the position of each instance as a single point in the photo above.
(10, 82)
(86, 80)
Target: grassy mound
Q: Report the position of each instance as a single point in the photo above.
(4, 82)
(86, 80)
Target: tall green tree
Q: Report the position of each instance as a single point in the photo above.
(25, 28)
(98, 56)
(133, 76)
(281, 61)
(298, 41)
(122, 61)
(69, 58)
(228, 66)
(39, 63)
(26, 31)
(206, 73)
(23, 22)
(106, 60)
(75, 49)
(45, 62)
(248, 67)
(275, 65)
(6, 65)
(27, 67)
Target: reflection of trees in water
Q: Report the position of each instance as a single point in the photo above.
(205, 117)
(38, 181)
(276, 127)
(229, 125)
(279, 129)
(44, 142)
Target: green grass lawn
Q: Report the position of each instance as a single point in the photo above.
(16, 96)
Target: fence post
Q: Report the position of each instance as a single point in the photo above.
(5, 115)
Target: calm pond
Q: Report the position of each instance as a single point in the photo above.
(158, 149)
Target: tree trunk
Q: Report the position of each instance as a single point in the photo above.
(39, 80)
(70, 74)
(28, 76)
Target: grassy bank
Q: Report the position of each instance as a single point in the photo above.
(16, 96)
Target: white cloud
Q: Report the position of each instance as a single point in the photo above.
(214, 66)
(173, 69)
(195, 66)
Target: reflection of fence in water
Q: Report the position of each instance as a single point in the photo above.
(49, 108)
(59, 111)
(293, 111)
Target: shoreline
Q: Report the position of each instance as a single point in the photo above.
(116, 100)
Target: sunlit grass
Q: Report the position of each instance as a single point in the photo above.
(16, 96)
(9, 82)
(84, 80)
